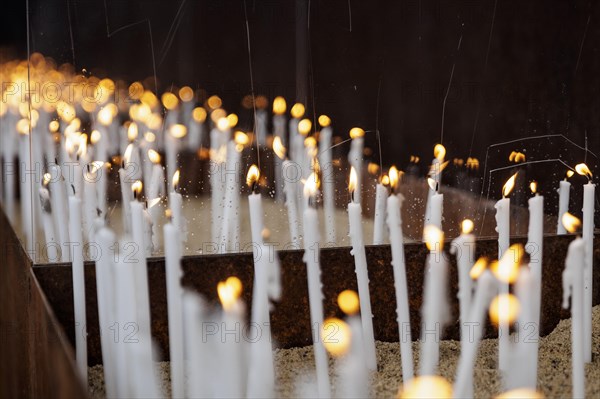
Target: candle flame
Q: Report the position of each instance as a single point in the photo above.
(96, 166)
(353, 181)
(127, 155)
(169, 101)
(504, 309)
(478, 268)
(232, 120)
(297, 111)
(432, 183)
(279, 105)
(153, 202)
(154, 157)
(241, 138)
(570, 173)
(178, 131)
(439, 152)
(278, 147)
(214, 102)
(509, 185)
(570, 222)
(472, 163)
(373, 168)
(426, 387)
(324, 120)
(356, 132)
(394, 177)
(229, 291)
(132, 131)
(175, 180)
(467, 226)
(336, 336)
(311, 185)
(433, 237)
(348, 302)
(310, 143)
(252, 176)
(414, 159)
(583, 170)
(82, 147)
(516, 157)
(222, 124)
(149, 137)
(304, 126)
(533, 187)
(54, 126)
(46, 179)
(136, 187)
(385, 180)
(186, 94)
(95, 137)
(507, 268)
(23, 126)
(521, 393)
(199, 114)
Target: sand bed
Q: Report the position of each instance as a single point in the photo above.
(554, 376)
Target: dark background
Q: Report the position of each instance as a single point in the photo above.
(536, 74)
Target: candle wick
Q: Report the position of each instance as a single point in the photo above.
(73, 187)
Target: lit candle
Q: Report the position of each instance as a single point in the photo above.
(355, 157)
(218, 153)
(261, 119)
(589, 197)
(487, 288)
(231, 359)
(279, 121)
(296, 140)
(564, 192)
(573, 287)
(362, 275)
(394, 222)
(125, 179)
(434, 312)
(174, 307)
(79, 311)
(176, 206)
(535, 248)
(381, 196)
(503, 230)
(464, 248)
(315, 294)
(52, 244)
(196, 128)
(255, 205)
(306, 153)
(289, 186)
(9, 171)
(100, 153)
(90, 197)
(231, 215)
(328, 177)
(433, 208)
(25, 180)
(139, 264)
(58, 201)
(172, 143)
(186, 94)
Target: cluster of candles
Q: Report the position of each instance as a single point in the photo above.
(72, 211)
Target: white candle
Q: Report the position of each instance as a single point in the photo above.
(196, 128)
(355, 157)
(231, 350)
(434, 312)
(436, 209)
(140, 266)
(315, 294)
(232, 192)
(362, 275)
(261, 370)
(261, 126)
(105, 282)
(379, 230)
(59, 209)
(296, 141)
(172, 144)
(175, 312)
(9, 171)
(218, 139)
(52, 244)
(589, 197)
(564, 192)
(196, 349)
(328, 178)
(464, 249)
(90, 198)
(26, 181)
(486, 289)
(503, 230)
(125, 180)
(394, 222)
(279, 121)
(535, 248)
(78, 285)
(290, 187)
(176, 206)
(255, 206)
(573, 287)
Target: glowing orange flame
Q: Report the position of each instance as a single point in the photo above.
(311, 185)
(509, 185)
(336, 336)
(507, 268)
(348, 302)
(356, 132)
(304, 126)
(136, 187)
(178, 131)
(154, 157)
(467, 226)
(504, 309)
(353, 181)
(279, 105)
(426, 387)
(229, 291)
(521, 393)
(252, 176)
(583, 170)
(278, 147)
(175, 180)
(570, 222)
(394, 177)
(533, 187)
(324, 120)
(297, 110)
(439, 152)
(433, 237)
(199, 114)
(478, 268)
(132, 131)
